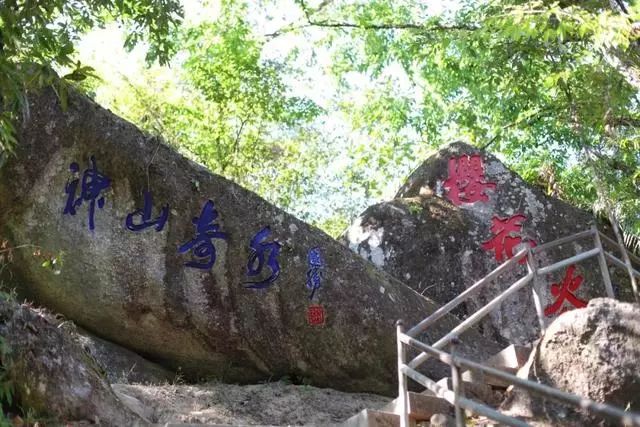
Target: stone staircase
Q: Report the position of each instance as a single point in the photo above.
(423, 406)
(475, 392)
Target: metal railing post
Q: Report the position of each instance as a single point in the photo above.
(537, 294)
(625, 256)
(620, 415)
(473, 319)
(458, 389)
(603, 264)
(456, 396)
(403, 405)
(445, 309)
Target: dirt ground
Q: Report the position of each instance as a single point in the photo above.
(263, 404)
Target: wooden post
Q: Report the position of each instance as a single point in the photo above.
(402, 408)
(537, 294)
(456, 380)
(603, 264)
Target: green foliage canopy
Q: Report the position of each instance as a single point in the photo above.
(38, 37)
(553, 87)
(230, 110)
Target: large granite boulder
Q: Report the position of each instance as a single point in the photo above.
(460, 215)
(592, 352)
(189, 269)
(51, 374)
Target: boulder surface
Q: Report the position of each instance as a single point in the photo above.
(189, 269)
(591, 352)
(51, 374)
(460, 215)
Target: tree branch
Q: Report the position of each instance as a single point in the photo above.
(311, 22)
(389, 26)
(371, 27)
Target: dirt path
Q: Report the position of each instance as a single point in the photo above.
(267, 404)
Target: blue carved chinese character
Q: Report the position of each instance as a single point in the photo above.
(145, 216)
(202, 244)
(315, 273)
(257, 250)
(93, 183)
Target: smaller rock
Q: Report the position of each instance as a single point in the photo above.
(441, 420)
(133, 403)
(476, 391)
(591, 352)
(52, 374)
(122, 365)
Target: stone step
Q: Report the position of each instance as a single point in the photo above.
(510, 360)
(204, 425)
(421, 406)
(474, 390)
(372, 418)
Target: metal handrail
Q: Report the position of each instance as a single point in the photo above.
(620, 263)
(614, 243)
(562, 241)
(474, 318)
(627, 418)
(408, 370)
(627, 258)
(450, 397)
(568, 261)
(445, 309)
(506, 266)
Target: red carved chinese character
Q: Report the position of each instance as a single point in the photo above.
(506, 233)
(466, 182)
(315, 315)
(563, 291)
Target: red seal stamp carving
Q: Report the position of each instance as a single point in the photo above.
(315, 315)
